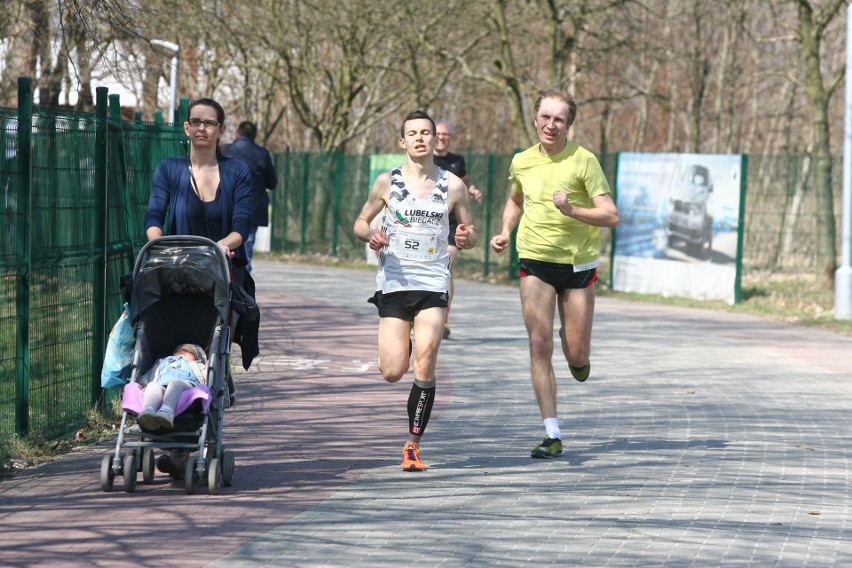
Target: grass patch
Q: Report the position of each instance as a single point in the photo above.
(18, 454)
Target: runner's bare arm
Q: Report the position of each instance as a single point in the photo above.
(375, 204)
(472, 190)
(603, 214)
(466, 235)
(511, 213)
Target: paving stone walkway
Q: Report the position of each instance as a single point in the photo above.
(701, 439)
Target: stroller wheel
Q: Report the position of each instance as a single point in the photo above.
(148, 465)
(189, 475)
(213, 476)
(107, 475)
(130, 472)
(228, 462)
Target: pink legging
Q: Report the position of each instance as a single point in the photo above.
(156, 395)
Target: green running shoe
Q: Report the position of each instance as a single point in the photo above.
(549, 448)
(580, 373)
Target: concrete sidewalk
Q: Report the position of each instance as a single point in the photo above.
(701, 439)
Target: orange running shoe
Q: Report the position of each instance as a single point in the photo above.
(411, 458)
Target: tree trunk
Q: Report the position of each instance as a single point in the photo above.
(16, 36)
(790, 221)
(811, 30)
(151, 84)
(510, 84)
(700, 71)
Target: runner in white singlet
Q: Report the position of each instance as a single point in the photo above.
(416, 257)
(413, 274)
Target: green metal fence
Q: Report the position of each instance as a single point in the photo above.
(781, 228)
(320, 196)
(74, 191)
(73, 184)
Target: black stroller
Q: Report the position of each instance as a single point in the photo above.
(181, 294)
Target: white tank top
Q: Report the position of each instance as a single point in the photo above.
(417, 230)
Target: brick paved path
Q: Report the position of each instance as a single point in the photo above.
(702, 438)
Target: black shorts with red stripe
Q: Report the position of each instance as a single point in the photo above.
(561, 276)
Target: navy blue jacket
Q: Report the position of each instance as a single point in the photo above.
(263, 175)
(167, 205)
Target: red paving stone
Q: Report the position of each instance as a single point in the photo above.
(312, 415)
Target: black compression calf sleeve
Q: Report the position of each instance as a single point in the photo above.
(420, 402)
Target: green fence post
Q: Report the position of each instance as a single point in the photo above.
(306, 177)
(285, 215)
(338, 175)
(177, 126)
(611, 278)
(117, 174)
(741, 229)
(183, 109)
(489, 184)
(50, 218)
(272, 207)
(101, 204)
(22, 288)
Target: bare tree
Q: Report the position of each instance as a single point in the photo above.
(729, 73)
(339, 65)
(655, 75)
(810, 33)
(16, 33)
(698, 62)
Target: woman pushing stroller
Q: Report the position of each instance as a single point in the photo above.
(208, 194)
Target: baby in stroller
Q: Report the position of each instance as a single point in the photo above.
(166, 380)
(180, 295)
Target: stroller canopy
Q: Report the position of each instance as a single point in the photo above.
(180, 265)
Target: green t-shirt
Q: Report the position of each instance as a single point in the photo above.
(544, 233)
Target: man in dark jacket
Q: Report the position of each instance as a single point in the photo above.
(263, 177)
(455, 163)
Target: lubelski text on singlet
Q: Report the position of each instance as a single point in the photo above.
(424, 216)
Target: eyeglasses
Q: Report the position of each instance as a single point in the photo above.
(196, 122)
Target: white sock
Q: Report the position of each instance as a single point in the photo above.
(167, 409)
(551, 427)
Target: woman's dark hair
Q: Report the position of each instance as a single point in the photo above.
(220, 114)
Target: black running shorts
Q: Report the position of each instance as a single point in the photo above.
(561, 276)
(406, 305)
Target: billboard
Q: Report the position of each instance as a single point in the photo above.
(678, 233)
